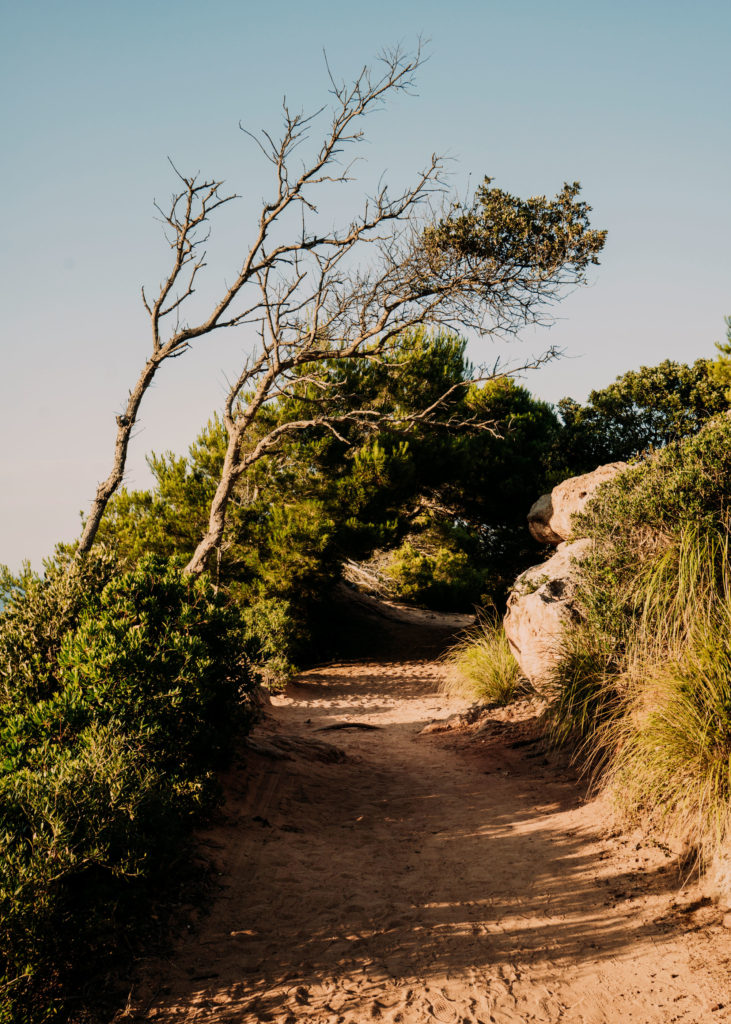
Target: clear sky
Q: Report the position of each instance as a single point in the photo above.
(632, 99)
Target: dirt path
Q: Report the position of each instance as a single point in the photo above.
(380, 874)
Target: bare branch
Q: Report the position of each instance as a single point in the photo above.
(320, 298)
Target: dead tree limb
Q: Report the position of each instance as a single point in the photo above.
(186, 222)
(316, 297)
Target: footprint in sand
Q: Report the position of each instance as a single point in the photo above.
(441, 1008)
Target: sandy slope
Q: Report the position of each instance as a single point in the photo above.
(443, 877)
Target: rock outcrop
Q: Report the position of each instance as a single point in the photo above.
(540, 607)
(542, 603)
(539, 521)
(549, 519)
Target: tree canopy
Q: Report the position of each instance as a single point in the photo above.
(312, 296)
(323, 499)
(643, 409)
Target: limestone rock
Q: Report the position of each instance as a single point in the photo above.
(539, 521)
(539, 608)
(549, 519)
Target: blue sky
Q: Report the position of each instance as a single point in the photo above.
(631, 99)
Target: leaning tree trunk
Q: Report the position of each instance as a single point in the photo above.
(125, 423)
(217, 518)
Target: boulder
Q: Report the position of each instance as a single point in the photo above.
(540, 607)
(549, 519)
(539, 521)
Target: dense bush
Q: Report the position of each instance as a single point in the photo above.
(646, 678)
(642, 410)
(114, 717)
(320, 499)
(436, 575)
(37, 614)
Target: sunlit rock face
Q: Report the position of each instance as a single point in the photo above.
(542, 604)
(539, 521)
(540, 607)
(549, 519)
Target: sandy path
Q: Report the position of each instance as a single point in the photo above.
(429, 878)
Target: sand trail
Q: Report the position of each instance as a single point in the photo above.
(384, 874)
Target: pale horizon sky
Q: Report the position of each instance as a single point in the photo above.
(630, 99)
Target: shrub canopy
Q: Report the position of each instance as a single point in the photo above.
(121, 693)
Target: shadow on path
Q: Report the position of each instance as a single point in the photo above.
(412, 881)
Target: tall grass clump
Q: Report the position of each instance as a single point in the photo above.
(671, 748)
(645, 680)
(482, 667)
(586, 688)
(120, 694)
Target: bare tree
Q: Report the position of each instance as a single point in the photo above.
(315, 298)
(186, 224)
(490, 266)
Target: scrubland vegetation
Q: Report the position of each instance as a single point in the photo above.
(125, 681)
(129, 667)
(481, 665)
(122, 691)
(642, 693)
(646, 679)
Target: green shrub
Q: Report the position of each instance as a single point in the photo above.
(481, 666)
(107, 756)
(686, 482)
(275, 634)
(435, 576)
(37, 613)
(646, 678)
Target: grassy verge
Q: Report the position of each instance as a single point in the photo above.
(669, 751)
(645, 680)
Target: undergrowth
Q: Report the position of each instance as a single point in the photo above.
(645, 679)
(481, 665)
(669, 751)
(120, 696)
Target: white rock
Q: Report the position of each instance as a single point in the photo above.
(540, 607)
(539, 520)
(549, 519)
